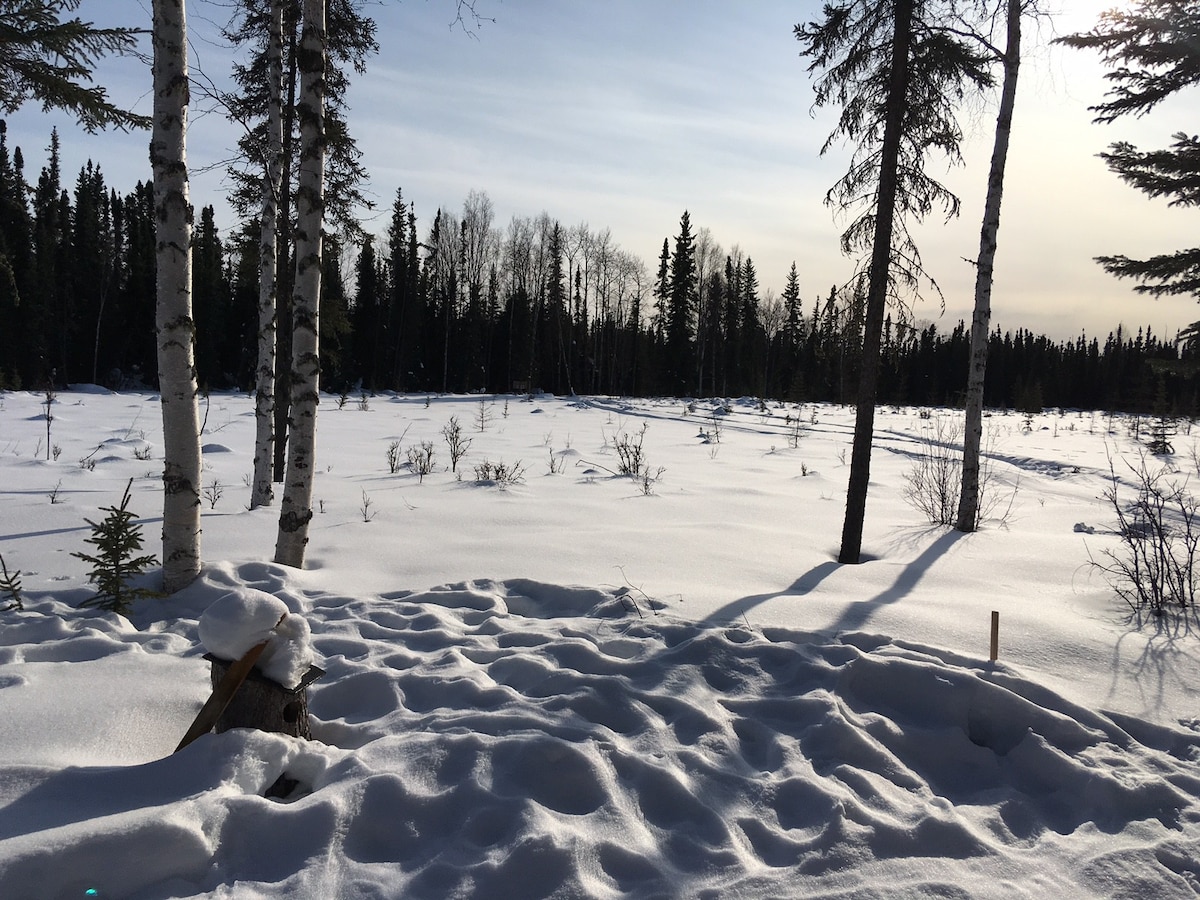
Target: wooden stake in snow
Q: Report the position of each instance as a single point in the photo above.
(222, 694)
(995, 635)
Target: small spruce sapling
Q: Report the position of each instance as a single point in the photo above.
(483, 415)
(10, 586)
(118, 540)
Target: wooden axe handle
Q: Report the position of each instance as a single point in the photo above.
(206, 719)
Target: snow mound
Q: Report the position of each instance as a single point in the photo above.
(238, 621)
(513, 739)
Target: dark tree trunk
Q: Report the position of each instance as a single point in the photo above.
(877, 287)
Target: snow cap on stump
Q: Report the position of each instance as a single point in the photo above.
(245, 617)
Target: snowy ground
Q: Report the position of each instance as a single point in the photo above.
(568, 687)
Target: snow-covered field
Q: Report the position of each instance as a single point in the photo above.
(569, 687)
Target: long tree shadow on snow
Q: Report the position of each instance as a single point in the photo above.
(736, 609)
(858, 612)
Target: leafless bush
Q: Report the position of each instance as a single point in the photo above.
(1153, 565)
(457, 443)
(499, 473)
(393, 457)
(630, 455)
(420, 459)
(934, 483)
(212, 492)
(647, 479)
(718, 425)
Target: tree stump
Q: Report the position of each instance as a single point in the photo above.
(265, 704)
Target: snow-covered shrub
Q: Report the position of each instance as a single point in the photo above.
(1153, 565)
(239, 620)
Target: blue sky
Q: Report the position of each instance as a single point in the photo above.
(624, 113)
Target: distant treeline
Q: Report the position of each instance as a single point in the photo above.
(534, 305)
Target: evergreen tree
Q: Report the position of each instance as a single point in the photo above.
(130, 329)
(681, 309)
(732, 324)
(49, 59)
(896, 76)
(793, 336)
(1153, 49)
(662, 289)
(557, 322)
(93, 270)
(217, 333)
(118, 542)
(15, 265)
(44, 314)
(335, 325)
(405, 312)
(368, 334)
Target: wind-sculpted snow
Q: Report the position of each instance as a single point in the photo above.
(525, 740)
(778, 726)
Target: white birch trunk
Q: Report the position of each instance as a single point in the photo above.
(295, 511)
(262, 493)
(969, 499)
(175, 327)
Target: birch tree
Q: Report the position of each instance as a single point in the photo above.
(262, 493)
(350, 40)
(968, 501)
(175, 327)
(296, 507)
(896, 77)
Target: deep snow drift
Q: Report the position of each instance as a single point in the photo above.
(568, 687)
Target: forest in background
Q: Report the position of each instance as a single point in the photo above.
(534, 304)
